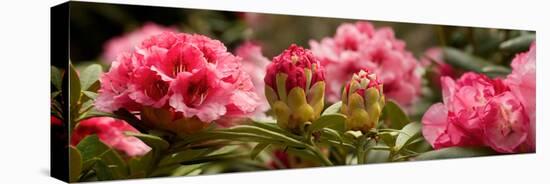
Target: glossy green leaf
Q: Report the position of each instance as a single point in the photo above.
(139, 166)
(332, 109)
(74, 88)
(395, 115)
(90, 75)
(518, 44)
(455, 152)
(257, 150)
(469, 62)
(335, 121)
(183, 156)
(408, 134)
(102, 171)
(75, 164)
(56, 78)
(187, 170)
(115, 163)
(90, 94)
(91, 147)
(151, 140)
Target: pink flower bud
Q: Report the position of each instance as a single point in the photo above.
(362, 101)
(295, 88)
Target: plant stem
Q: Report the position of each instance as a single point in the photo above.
(361, 152)
(311, 146)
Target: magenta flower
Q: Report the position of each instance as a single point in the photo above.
(476, 111)
(357, 46)
(179, 82)
(295, 87)
(128, 41)
(111, 132)
(522, 83)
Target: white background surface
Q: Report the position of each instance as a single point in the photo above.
(24, 91)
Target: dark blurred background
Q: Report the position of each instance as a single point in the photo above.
(92, 24)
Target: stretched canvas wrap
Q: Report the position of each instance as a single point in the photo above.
(145, 92)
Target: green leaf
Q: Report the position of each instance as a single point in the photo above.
(91, 147)
(115, 163)
(56, 78)
(257, 149)
(410, 132)
(138, 166)
(455, 152)
(518, 44)
(187, 170)
(335, 121)
(395, 115)
(469, 62)
(332, 109)
(272, 126)
(265, 132)
(75, 164)
(90, 94)
(151, 140)
(90, 75)
(102, 171)
(184, 156)
(74, 88)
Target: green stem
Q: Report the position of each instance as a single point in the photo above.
(361, 152)
(311, 146)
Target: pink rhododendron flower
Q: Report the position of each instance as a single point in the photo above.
(476, 111)
(128, 41)
(522, 83)
(360, 45)
(434, 61)
(111, 132)
(178, 78)
(255, 64)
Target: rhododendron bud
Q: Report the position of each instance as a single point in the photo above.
(111, 132)
(295, 88)
(362, 101)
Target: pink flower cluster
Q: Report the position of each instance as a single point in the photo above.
(191, 76)
(360, 45)
(479, 111)
(111, 132)
(127, 42)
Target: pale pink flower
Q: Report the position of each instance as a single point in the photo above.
(255, 64)
(476, 111)
(111, 132)
(189, 76)
(128, 41)
(360, 45)
(522, 83)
